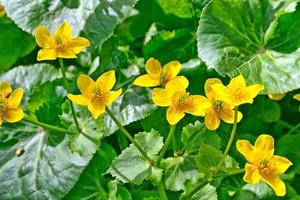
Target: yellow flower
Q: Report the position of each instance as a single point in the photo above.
(96, 95)
(276, 97)
(158, 75)
(218, 109)
(179, 101)
(2, 11)
(9, 103)
(60, 45)
(263, 164)
(237, 93)
(297, 97)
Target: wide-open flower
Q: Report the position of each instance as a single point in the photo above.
(218, 109)
(158, 75)
(236, 92)
(263, 164)
(96, 95)
(297, 97)
(276, 97)
(179, 101)
(9, 103)
(59, 45)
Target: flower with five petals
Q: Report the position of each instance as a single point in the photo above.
(218, 109)
(59, 45)
(262, 164)
(157, 75)
(9, 103)
(179, 101)
(96, 95)
(236, 92)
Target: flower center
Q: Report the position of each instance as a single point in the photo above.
(2, 106)
(184, 101)
(218, 105)
(164, 79)
(99, 94)
(264, 167)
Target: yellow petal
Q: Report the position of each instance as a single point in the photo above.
(208, 83)
(63, 30)
(96, 107)
(200, 105)
(265, 144)
(280, 163)
(84, 83)
(14, 115)
(160, 97)
(297, 97)
(174, 115)
(170, 70)
(78, 44)
(42, 36)
(5, 89)
(66, 53)
(276, 184)
(183, 80)
(15, 98)
(221, 92)
(251, 174)
(106, 81)
(227, 114)
(176, 85)
(276, 97)
(246, 149)
(79, 99)
(113, 95)
(238, 81)
(212, 120)
(153, 68)
(47, 54)
(254, 90)
(1, 120)
(146, 81)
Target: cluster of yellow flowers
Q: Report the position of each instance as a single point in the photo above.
(220, 102)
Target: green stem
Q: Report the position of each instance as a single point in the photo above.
(68, 88)
(166, 145)
(48, 126)
(295, 128)
(127, 134)
(232, 173)
(233, 131)
(162, 192)
(196, 189)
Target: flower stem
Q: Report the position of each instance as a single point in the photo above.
(235, 172)
(127, 134)
(161, 191)
(166, 145)
(67, 86)
(295, 128)
(48, 126)
(233, 131)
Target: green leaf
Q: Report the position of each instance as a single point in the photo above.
(130, 165)
(92, 185)
(101, 24)
(207, 159)
(165, 46)
(231, 40)
(179, 8)
(208, 192)
(271, 111)
(10, 35)
(193, 135)
(132, 106)
(28, 15)
(117, 192)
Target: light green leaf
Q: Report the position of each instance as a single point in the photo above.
(117, 192)
(10, 35)
(29, 14)
(132, 106)
(130, 165)
(165, 46)
(231, 40)
(156, 175)
(208, 192)
(179, 8)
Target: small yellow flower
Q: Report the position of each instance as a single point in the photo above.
(297, 97)
(218, 109)
(158, 75)
(276, 97)
(179, 101)
(263, 164)
(9, 103)
(60, 45)
(2, 11)
(237, 93)
(96, 95)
